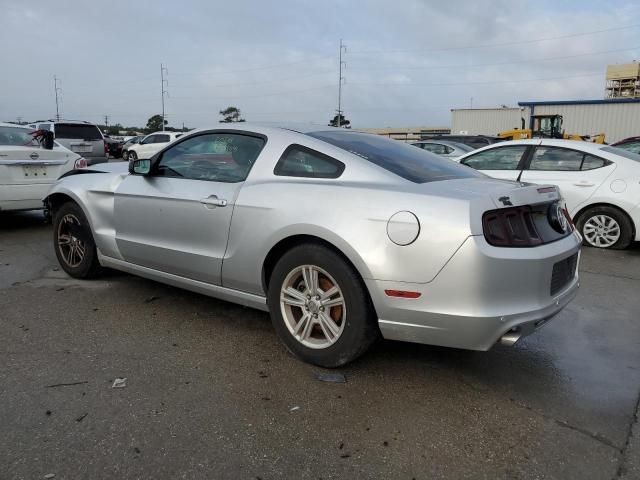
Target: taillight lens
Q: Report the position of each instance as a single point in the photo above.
(526, 226)
(510, 227)
(81, 163)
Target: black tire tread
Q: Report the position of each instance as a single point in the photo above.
(626, 227)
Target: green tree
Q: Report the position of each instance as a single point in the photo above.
(155, 123)
(231, 115)
(344, 123)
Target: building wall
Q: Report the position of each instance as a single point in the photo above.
(617, 120)
(485, 121)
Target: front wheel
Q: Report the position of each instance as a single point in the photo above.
(73, 242)
(133, 156)
(605, 227)
(319, 307)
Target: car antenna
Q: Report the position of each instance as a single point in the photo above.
(519, 175)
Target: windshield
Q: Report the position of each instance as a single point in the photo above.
(17, 136)
(623, 153)
(402, 159)
(77, 131)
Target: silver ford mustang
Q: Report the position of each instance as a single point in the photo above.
(340, 235)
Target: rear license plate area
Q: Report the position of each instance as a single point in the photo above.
(34, 171)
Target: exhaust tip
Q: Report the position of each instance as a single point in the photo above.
(511, 337)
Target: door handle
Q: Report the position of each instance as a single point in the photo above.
(584, 184)
(213, 201)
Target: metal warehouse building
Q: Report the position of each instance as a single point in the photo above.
(617, 118)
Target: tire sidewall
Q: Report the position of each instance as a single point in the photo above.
(623, 222)
(90, 261)
(353, 339)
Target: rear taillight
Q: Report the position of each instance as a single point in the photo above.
(510, 227)
(80, 163)
(526, 226)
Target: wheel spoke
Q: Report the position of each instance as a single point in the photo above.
(64, 239)
(310, 277)
(334, 302)
(80, 250)
(304, 326)
(328, 325)
(293, 297)
(329, 293)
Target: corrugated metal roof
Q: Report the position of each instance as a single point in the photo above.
(579, 102)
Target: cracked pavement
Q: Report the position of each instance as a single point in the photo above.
(211, 393)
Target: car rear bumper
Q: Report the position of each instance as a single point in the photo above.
(481, 294)
(23, 197)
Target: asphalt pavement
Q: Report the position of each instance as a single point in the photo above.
(211, 393)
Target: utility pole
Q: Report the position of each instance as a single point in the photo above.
(19, 120)
(343, 48)
(164, 83)
(57, 90)
(106, 122)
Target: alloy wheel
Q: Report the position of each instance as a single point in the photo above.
(313, 306)
(70, 244)
(601, 231)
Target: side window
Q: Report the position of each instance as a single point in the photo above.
(162, 138)
(149, 139)
(299, 161)
(436, 148)
(44, 126)
(590, 162)
(556, 159)
(633, 147)
(216, 157)
(499, 158)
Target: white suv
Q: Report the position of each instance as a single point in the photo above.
(152, 144)
(80, 137)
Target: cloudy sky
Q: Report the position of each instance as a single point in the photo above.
(408, 62)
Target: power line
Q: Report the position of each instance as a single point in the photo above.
(263, 67)
(504, 44)
(513, 62)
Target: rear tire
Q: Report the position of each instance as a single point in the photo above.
(125, 156)
(605, 227)
(320, 327)
(73, 242)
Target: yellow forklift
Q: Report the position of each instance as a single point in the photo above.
(547, 126)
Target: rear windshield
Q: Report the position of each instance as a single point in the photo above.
(77, 131)
(406, 161)
(622, 153)
(17, 136)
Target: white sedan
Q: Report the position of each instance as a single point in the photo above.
(151, 144)
(600, 183)
(28, 168)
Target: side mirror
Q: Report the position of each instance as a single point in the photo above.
(47, 140)
(140, 167)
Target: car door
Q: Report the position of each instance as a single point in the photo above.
(577, 173)
(503, 162)
(149, 146)
(176, 219)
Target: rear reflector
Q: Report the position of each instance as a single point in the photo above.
(402, 294)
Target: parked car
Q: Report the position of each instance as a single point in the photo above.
(114, 146)
(473, 141)
(130, 141)
(341, 235)
(151, 144)
(600, 183)
(632, 144)
(444, 148)
(80, 137)
(28, 169)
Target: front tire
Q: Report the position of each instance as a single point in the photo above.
(605, 227)
(73, 242)
(133, 156)
(319, 307)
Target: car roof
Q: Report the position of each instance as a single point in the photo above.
(5, 124)
(574, 144)
(443, 142)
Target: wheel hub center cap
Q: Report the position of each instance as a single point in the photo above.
(314, 306)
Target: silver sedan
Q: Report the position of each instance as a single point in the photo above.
(340, 235)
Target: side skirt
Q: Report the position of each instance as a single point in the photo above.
(216, 291)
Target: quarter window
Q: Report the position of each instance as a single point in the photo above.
(500, 158)
(299, 161)
(161, 139)
(216, 157)
(590, 162)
